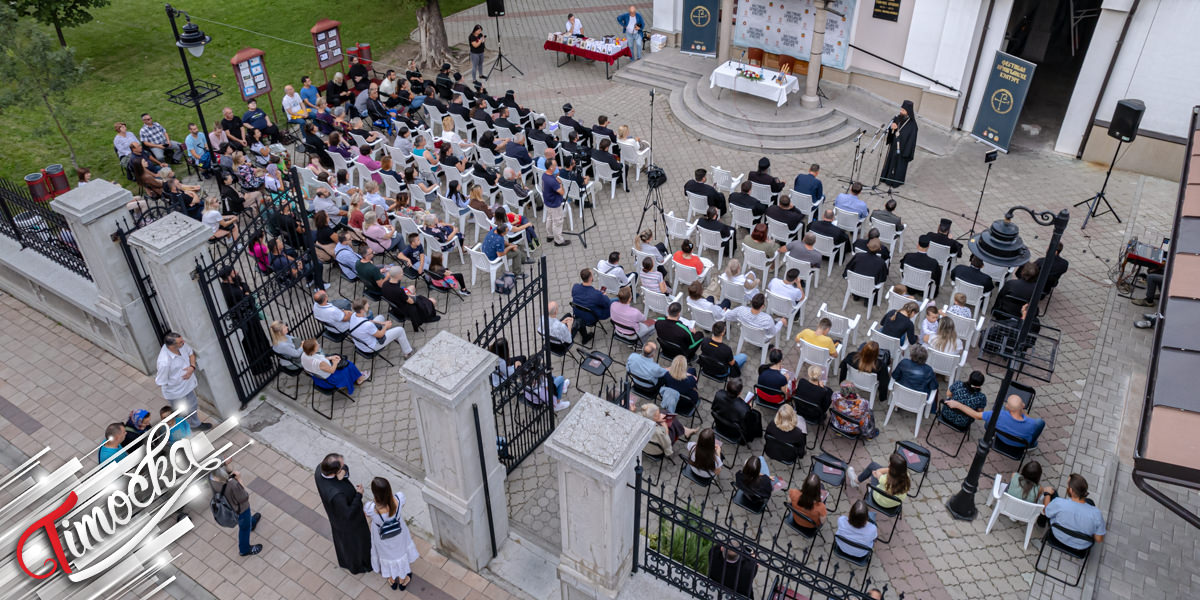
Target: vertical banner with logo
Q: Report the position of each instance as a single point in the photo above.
(700, 27)
(1008, 83)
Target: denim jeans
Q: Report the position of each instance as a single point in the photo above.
(245, 521)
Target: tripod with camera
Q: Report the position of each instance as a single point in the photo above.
(655, 178)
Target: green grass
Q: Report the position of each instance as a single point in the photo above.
(133, 61)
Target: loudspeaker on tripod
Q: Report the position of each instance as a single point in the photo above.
(495, 8)
(1126, 119)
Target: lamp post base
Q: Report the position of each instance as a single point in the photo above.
(962, 506)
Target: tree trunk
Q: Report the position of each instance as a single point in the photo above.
(431, 33)
(62, 41)
(58, 124)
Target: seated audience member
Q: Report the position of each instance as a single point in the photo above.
(755, 478)
(1023, 485)
(560, 329)
(680, 379)
(712, 222)
(602, 154)
(1013, 421)
(447, 235)
(899, 323)
(763, 176)
(892, 479)
(789, 287)
(759, 240)
(255, 118)
(743, 199)
(1075, 512)
(497, 244)
(404, 303)
(719, 353)
(862, 245)
(704, 454)
(888, 215)
(942, 237)
(696, 300)
(922, 261)
(819, 338)
(601, 128)
(374, 335)
(325, 369)
(809, 185)
(219, 226)
(666, 430)
(753, 315)
(641, 364)
(612, 267)
(1057, 268)
(592, 303)
(787, 214)
(856, 526)
(627, 319)
(284, 345)
(568, 120)
(913, 373)
(929, 325)
(787, 428)
(869, 359)
(868, 263)
(852, 203)
(772, 378)
(650, 277)
(960, 307)
(809, 501)
(730, 568)
(728, 405)
(671, 329)
(1017, 291)
(817, 397)
(858, 419)
(114, 438)
(973, 274)
(700, 187)
(442, 278)
(945, 339)
(154, 137)
(644, 244)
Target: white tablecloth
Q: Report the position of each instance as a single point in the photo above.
(726, 76)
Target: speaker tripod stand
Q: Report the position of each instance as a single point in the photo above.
(1093, 203)
(501, 60)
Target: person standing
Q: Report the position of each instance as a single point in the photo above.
(901, 146)
(343, 504)
(392, 547)
(552, 199)
(228, 483)
(176, 376)
(633, 25)
(477, 40)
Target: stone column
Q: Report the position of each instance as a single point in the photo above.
(725, 33)
(170, 247)
(595, 447)
(810, 99)
(92, 211)
(447, 377)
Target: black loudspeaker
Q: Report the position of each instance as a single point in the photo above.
(1126, 118)
(495, 8)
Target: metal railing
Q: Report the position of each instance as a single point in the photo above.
(33, 225)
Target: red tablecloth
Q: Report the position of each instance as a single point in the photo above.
(588, 54)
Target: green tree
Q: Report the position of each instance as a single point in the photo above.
(44, 71)
(59, 13)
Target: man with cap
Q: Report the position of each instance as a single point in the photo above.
(763, 176)
(568, 120)
(463, 88)
(444, 83)
(921, 260)
(510, 100)
(942, 236)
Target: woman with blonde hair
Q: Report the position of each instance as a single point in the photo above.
(623, 137)
(789, 429)
(219, 226)
(284, 345)
(450, 136)
(945, 339)
(681, 380)
(733, 274)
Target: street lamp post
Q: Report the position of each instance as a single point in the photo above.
(192, 40)
(1001, 245)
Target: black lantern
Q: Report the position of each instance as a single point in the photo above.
(1000, 245)
(193, 39)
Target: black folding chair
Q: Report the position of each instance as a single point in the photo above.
(643, 387)
(832, 472)
(629, 339)
(659, 458)
(669, 350)
(782, 452)
(811, 531)
(806, 408)
(918, 459)
(337, 337)
(287, 367)
(855, 437)
(938, 419)
(1025, 392)
(835, 550)
(768, 397)
(712, 369)
(1051, 539)
(894, 512)
(587, 330)
(557, 348)
(328, 392)
(729, 432)
(745, 498)
(1011, 446)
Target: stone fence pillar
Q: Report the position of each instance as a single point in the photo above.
(92, 212)
(447, 377)
(595, 447)
(170, 247)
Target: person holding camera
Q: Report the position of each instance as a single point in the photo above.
(476, 40)
(343, 502)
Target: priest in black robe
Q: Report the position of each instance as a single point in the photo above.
(901, 146)
(245, 316)
(344, 507)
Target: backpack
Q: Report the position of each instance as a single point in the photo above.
(505, 284)
(392, 527)
(222, 509)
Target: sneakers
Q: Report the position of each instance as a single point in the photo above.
(255, 549)
(202, 427)
(560, 406)
(566, 386)
(464, 292)
(365, 378)
(1147, 324)
(852, 477)
(1144, 302)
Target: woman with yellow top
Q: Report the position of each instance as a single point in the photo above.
(892, 479)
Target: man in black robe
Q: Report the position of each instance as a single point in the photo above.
(244, 314)
(344, 506)
(901, 146)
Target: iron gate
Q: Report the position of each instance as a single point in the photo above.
(521, 401)
(133, 258)
(242, 311)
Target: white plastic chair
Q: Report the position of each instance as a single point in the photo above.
(843, 328)
(779, 306)
(340, 164)
(828, 249)
(704, 318)
(512, 203)
(683, 275)
(482, 223)
(896, 302)
(848, 221)
(943, 255)
(742, 217)
(462, 128)
(711, 239)
(480, 128)
(917, 279)
(488, 157)
(762, 193)
(893, 345)
(435, 116)
(810, 273)
(450, 209)
(807, 204)
(609, 283)
(888, 235)
(867, 382)
(945, 363)
(407, 226)
(678, 229)
(816, 355)
(910, 400)
(697, 205)
(360, 141)
(734, 292)
(724, 180)
(753, 258)
(1013, 508)
(634, 156)
(998, 273)
(655, 302)
(976, 297)
(605, 173)
(966, 329)
(426, 169)
(362, 174)
(391, 185)
(862, 286)
(539, 148)
(763, 338)
(480, 262)
(433, 245)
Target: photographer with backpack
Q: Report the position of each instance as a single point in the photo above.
(231, 505)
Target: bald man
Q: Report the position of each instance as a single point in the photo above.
(560, 329)
(1013, 420)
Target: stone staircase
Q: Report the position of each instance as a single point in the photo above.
(732, 119)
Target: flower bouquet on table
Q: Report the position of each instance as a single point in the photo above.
(750, 74)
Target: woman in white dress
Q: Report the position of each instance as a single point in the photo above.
(392, 547)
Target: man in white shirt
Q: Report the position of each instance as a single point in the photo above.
(612, 266)
(374, 335)
(788, 287)
(754, 316)
(560, 329)
(323, 202)
(293, 105)
(177, 377)
(388, 86)
(329, 314)
(574, 26)
(346, 257)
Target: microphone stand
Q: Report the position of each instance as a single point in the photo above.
(876, 140)
(856, 162)
(975, 219)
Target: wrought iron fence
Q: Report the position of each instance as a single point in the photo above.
(522, 397)
(242, 309)
(677, 541)
(141, 279)
(33, 225)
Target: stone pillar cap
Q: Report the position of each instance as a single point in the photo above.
(447, 365)
(600, 437)
(168, 238)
